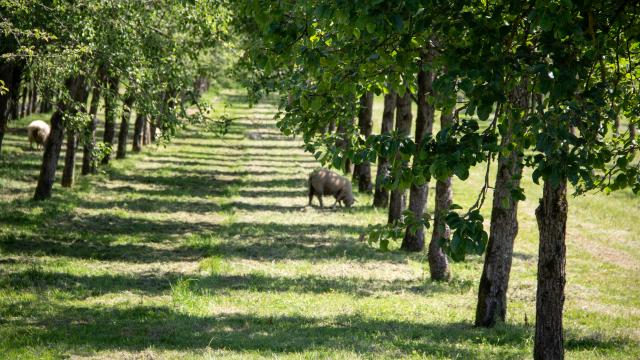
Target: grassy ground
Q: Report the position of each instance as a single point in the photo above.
(205, 249)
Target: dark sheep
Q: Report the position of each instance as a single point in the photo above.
(325, 182)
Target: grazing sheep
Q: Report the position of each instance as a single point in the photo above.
(39, 132)
(325, 182)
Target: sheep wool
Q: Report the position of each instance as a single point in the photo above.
(326, 182)
(38, 132)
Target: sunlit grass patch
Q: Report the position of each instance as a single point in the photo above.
(214, 265)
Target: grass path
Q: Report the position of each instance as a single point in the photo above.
(205, 249)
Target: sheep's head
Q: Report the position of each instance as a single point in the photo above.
(348, 200)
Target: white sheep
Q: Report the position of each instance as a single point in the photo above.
(38, 131)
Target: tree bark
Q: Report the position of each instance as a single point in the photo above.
(438, 263)
(88, 161)
(414, 241)
(153, 132)
(110, 97)
(551, 215)
(45, 104)
(124, 127)
(201, 85)
(494, 282)
(332, 126)
(11, 75)
(6, 72)
(397, 199)
(362, 171)
(492, 294)
(146, 135)
(138, 132)
(34, 98)
(14, 91)
(27, 110)
(68, 173)
(23, 103)
(342, 143)
(381, 196)
(52, 146)
(632, 131)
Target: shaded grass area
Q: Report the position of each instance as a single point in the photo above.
(206, 249)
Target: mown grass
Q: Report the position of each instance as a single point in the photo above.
(205, 249)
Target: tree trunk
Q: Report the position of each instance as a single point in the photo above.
(153, 133)
(88, 161)
(53, 144)
(362, 171)
(68, 173)
(138, 133)
(632, 131)
(45, 104)
(332, 126)
(403, 127)
(23, 106)
(27, 110)
(438, 263)
(492, 294)
(414, 241)
(124, 127)
(10, 74)
(201, 85)
(381, 196)
(34, 98)
(343, 144)
(146, 135)
(551, 215)
(6, 71)
(110, 104)
(14, 89)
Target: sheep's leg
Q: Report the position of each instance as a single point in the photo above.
(310, 194)
(335, 203)
(320, 199)
(338, 197)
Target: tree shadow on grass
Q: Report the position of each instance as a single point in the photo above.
(76, 246)
(36, 279)
(92, 237)
(136, 328)
(214, 165)
(184, 156)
